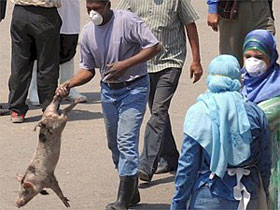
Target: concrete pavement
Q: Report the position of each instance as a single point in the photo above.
(85, 171)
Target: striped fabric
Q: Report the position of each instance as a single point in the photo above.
(271, 109)
(166, 19)
(41, 3)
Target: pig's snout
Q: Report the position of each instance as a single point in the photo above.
(20, 202)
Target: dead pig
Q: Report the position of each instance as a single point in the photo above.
(40, 172)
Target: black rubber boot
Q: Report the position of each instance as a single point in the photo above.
(127, 191)
(136, 197)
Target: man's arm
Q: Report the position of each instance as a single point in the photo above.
(86, 72)
(82, 77)
(213, 18)
(118, 68)
(195, 68)
(186, 175)
(137, 32)
(188, 16)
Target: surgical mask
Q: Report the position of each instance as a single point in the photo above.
(255, 67)
(96, 17)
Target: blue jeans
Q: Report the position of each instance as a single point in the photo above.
(123, 111)
(204, 200)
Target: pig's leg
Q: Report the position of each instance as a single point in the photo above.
(55, 187)
(69, 108)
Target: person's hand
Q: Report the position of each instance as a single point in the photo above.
(213, 20)
(115, 70)
(63, 89)
(196, 71)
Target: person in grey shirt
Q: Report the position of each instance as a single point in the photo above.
(118, 43)
(168, 21)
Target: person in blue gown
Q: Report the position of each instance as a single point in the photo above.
(225, 158)
(262, 87)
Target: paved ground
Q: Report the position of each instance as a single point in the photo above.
(85, 170)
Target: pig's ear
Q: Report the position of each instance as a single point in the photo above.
(28, 186)
(19, 177)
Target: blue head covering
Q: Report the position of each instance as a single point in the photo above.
(266, 86)
(218, 121)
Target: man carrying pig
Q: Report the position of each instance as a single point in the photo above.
(118, 43)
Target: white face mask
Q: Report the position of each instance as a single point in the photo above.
(255, 67)
(96, 17)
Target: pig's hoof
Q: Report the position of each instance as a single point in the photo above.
(65, 201)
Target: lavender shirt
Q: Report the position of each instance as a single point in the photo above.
(121, 38)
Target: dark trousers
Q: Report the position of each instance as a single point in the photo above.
(35, 36)
(158, 140)
(68, 45)
(3, 4)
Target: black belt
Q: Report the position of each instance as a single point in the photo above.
(120, 85)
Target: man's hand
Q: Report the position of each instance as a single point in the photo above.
(115, 70)
(196, 71)
(63, 89)
(213, 20)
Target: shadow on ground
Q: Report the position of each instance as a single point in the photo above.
(4, 109)
(74, 115)
(93, 98)
(152, 206)
(32, 119)
(77, 114)
(165, 180)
